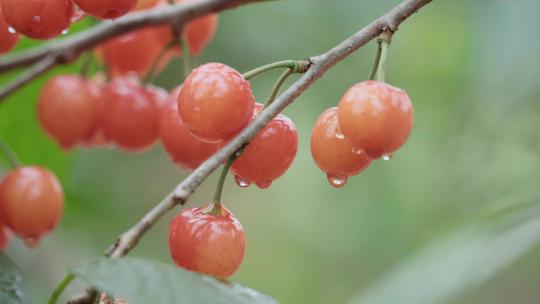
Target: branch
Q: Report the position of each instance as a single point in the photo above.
(318, 66)
(68, 49)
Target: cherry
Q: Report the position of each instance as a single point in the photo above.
(184, 149)
(146, 4)
(215, 102)
(211, 244)
(97, 137)
(67, 109)
(38, 19)
(4, 236)
(333, 153)
(376, 117)
(131, 114)
(133, 52)
(8, 36)
(31, 201)
(106, 9)
(269, 154)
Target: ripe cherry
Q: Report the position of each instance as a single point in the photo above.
(8, 36)
(184, 149)
(31, 201)
(106, 9)
(38, 19)
(131, 114)
(269, 154)
(376, 117)
(207, 243)
(97, 137)
(133, 52)
(215, 102)
(67, 109)
(333, 153)
(146, 4)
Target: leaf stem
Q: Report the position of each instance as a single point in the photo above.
(68, 278)
(9, 154)
(298, 66)
(216, 207)
(277, 86)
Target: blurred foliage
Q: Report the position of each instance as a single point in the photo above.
(12, 285)
(470, 68)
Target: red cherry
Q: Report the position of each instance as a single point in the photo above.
(31, 201)
(184, 149)
(106, 9)
(8, 36)
(131, 115)
(215, 102)
(146, 4)
(97, 137)
(133, 52)
(376, 117)
(269, 154)
(333, 153)
(38, 19)
(211, 244)
(67, 109)
(4, 236)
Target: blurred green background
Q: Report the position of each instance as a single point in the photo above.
(472, 71)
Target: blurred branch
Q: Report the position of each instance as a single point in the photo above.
(65, 51)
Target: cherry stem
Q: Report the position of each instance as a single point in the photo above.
(186, 57)
(9, 154)
(57, 292)
(149, 77)
(297, 66)
(216, 207)
(87, 62)
(379, 68)
(275, 90)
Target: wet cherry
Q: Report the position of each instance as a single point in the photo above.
(38, 19)
(67, 109)
(8, 36)
(215, 102)
(131, 114)
(333, 153)
(106, 9)
(184, 149)
(206, 243)
(376, 117)
(269, 154)
(31, 201)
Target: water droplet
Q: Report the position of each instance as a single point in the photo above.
(357, 151)
(11, 30)
(240, 182)
(337, 181)
(264, 184)
(64, 32)
(340, 135)
(31, 242)
(387, 157)
(36, 19)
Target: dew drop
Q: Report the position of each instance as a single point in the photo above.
(387, 157)
(337, 181)
(11, 30)
(357, 151)
(340, 135)
(264, 184)
(64, 32)
(240, 182)
(31, 242)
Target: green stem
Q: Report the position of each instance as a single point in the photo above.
(87, 61)
(68, 278)
(379, 68)
(216, 207)
(277, 86)
(376, 63)
(9, 154)
(149, 77)
(291, 64)
(186, 57)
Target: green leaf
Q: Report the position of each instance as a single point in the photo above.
(141, 281)
(463, 259)
(12, 286)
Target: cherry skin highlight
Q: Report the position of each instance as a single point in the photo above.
(131, 115)
(269, 154)
(376, 117)
(215, 102)
(106, 9)
(67, 109)
(183, 148)
(333, 153)
(210, 244)
(8, 38)
(31, 201)
(38, 19)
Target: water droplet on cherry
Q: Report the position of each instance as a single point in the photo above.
(264, 184)
(31, 242)
(12, 30)
(387, 157)
(340, 135)
(337, 181)
(240, 182)
(36, 19)
(357, 151)
(64, 32)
